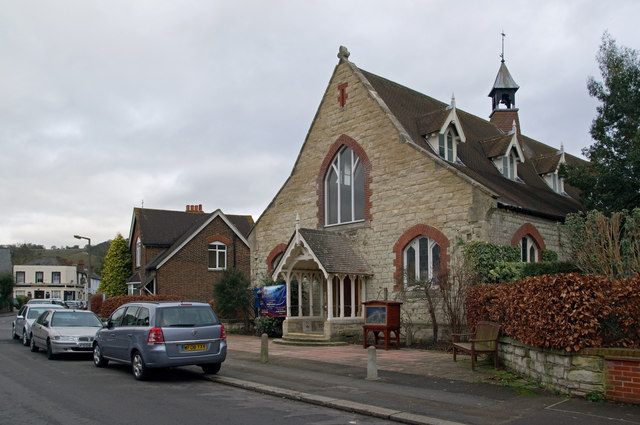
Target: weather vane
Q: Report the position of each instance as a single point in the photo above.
(502, 54)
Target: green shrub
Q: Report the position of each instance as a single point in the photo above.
(485, 256)
(549, 255)
(272, 326)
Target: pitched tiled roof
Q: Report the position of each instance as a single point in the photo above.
(496, 146)
(165, 227)
(547, 163)
(334, 252)
(170, 229)
(531, 194)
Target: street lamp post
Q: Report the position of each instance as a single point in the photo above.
(88, 272)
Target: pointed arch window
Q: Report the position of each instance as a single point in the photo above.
(422, 259)
(344, 189)
(529, 250)
(510, 165)
(447, 145)
(138, 252)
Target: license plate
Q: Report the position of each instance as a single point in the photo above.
(85, 345)
(194, 347)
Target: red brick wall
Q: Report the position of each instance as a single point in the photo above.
(187, 274)
(623, 379)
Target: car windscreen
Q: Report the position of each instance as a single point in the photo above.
(34, 312)
(186, 316)
(74, 319)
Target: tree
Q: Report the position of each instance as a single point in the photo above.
(116, 268)
(6, 289)
(611, 181)
(234, 298)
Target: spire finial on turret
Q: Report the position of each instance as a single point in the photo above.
(502, 54)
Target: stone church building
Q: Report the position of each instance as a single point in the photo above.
(386, 182)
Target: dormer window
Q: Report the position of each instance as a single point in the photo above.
(447, 146)
(510, 165)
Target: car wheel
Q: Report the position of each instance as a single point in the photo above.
(14, 335)
(211, 368)
(98, 360)
(33, 347)
(140, 371)
(25, 338)
(50, 354)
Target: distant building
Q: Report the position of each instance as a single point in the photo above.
(47, 278)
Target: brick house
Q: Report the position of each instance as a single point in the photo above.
(386, 182)
(185, 252)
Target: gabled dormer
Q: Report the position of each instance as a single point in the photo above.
(505, 153)
(548, 168)
(443, 132)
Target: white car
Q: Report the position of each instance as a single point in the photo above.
(28, 313)
(64, 331)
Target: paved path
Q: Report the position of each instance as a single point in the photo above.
(414, 386)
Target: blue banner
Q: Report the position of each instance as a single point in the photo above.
(272, 300)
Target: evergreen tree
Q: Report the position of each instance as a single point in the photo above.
(234, 298)
(611, 181)
(6, 289)
(116, 268)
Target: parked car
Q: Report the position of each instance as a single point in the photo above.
(74, 304)
(150, 335)
(28, 313)
(46, 301)
(64, 331)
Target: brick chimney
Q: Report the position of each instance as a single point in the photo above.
(194, 208)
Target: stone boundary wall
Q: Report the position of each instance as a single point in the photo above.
(610, 372)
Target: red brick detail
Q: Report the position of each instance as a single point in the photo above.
(343, 140)
(342, 97)
(408, 236)
(623, 379)
(280, 248)
(503, 119)
(218, 238)
(529, 229)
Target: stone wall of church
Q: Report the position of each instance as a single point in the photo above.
(504, 224)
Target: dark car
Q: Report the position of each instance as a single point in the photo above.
(150, 335)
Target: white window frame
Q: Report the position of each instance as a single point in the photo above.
(218, 248)
(335, 170)
(415, 244)
(529, 251)
(138, 252)
(447, 146)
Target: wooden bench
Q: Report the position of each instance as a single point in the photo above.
(484, 341)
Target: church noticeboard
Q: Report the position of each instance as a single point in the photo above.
(382, 317)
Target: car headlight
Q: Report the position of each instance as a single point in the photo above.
(65, 338)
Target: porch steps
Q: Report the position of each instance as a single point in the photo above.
(305, 339)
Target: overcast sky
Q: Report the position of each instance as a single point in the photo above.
(105, 105)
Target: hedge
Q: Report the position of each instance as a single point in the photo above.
(110, 304)
(563, 311)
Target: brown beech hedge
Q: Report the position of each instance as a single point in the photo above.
(109, 305)
(563, 311)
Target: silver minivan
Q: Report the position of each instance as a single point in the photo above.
(158, 334)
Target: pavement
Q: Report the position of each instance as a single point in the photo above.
(407, 385)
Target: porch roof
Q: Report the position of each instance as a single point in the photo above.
(334, 252)
(329, 251)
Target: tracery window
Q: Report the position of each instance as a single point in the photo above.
(421, 259)
(344, 189)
